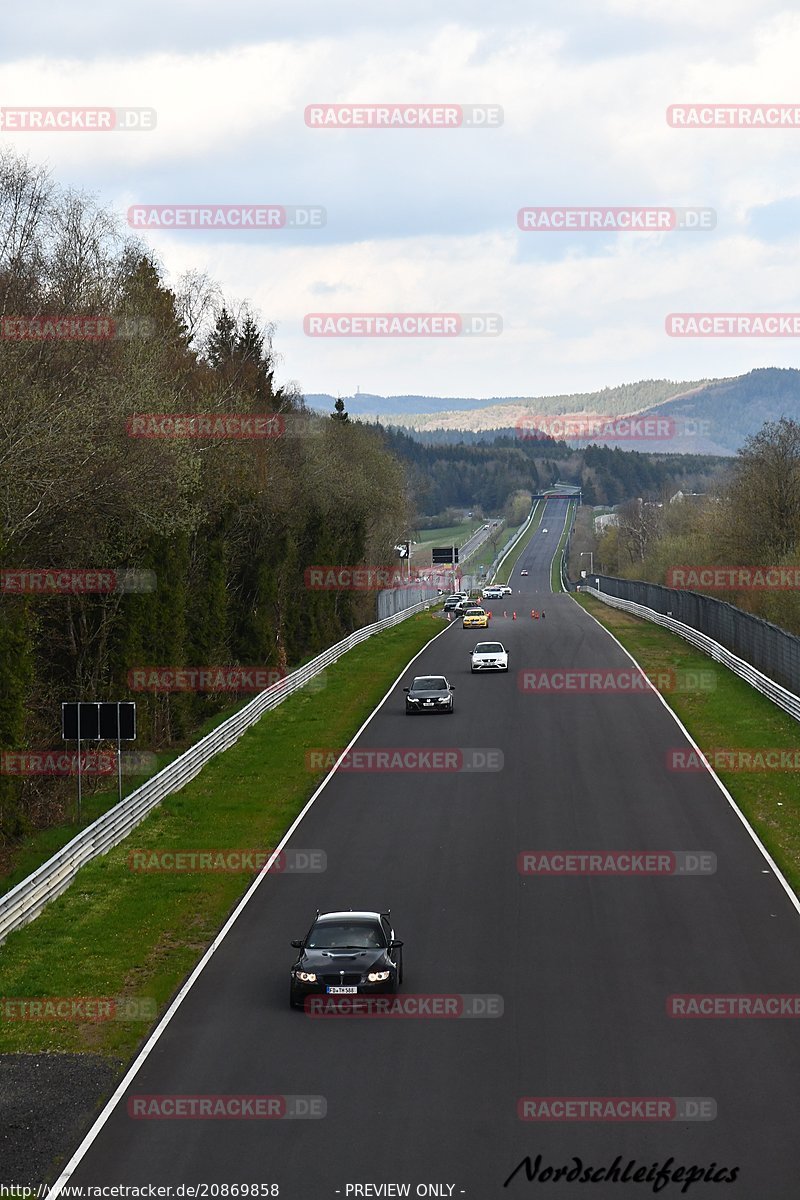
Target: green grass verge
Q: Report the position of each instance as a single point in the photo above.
(505, 570)
(42, 844)
(20, 860)
(731, 715)
(555, 566)
(119, 933)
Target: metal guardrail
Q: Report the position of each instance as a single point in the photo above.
(25, 901)
(565, 583)
(462, 558)
(788, 701)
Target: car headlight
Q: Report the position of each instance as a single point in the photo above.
(378, 976)
(306, 976)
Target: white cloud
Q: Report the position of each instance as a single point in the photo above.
(426, 220)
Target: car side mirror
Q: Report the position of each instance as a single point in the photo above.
(298, 945)
(395, 944)
(406, 689)
(452, 687)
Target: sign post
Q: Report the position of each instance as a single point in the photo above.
(98, 721)
(403, 550)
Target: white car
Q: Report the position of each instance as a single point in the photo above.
(489, 656)
(492, 593)
(505, 589)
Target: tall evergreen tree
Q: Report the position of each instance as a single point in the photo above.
(340, 414)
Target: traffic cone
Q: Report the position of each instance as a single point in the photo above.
(514, 617)
(505, 614)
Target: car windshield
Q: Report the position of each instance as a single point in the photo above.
(433, 683)
(474, 612)
(488, 648)
(344, 935)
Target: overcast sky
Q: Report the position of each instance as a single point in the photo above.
(425, 220)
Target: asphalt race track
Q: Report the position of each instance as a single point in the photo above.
(584, 964)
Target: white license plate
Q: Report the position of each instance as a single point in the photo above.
(342, 991)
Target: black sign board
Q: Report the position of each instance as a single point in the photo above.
(111, 720)
(444, 554)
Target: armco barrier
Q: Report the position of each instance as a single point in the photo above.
(779, 695)
(771, 650)
(25, 901)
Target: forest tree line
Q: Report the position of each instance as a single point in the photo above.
(485, 474)
(226, 526)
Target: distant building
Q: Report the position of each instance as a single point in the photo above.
(679, 497)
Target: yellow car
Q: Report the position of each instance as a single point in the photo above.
(476, 618)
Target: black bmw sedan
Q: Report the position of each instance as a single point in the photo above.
(347, 954)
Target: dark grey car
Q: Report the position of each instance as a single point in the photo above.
(429, 693)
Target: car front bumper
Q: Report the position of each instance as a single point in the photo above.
(300, 990)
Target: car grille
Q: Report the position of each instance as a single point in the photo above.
(349, 979)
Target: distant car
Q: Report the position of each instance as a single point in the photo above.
(489, 656)
(429, 693)
(475, 618)
(346, 954)
(523, 572)
(451, 602)
(544, 531)
(506, 590)
(463, 605)
(492, 593)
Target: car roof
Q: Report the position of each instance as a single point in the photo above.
(357, 916)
